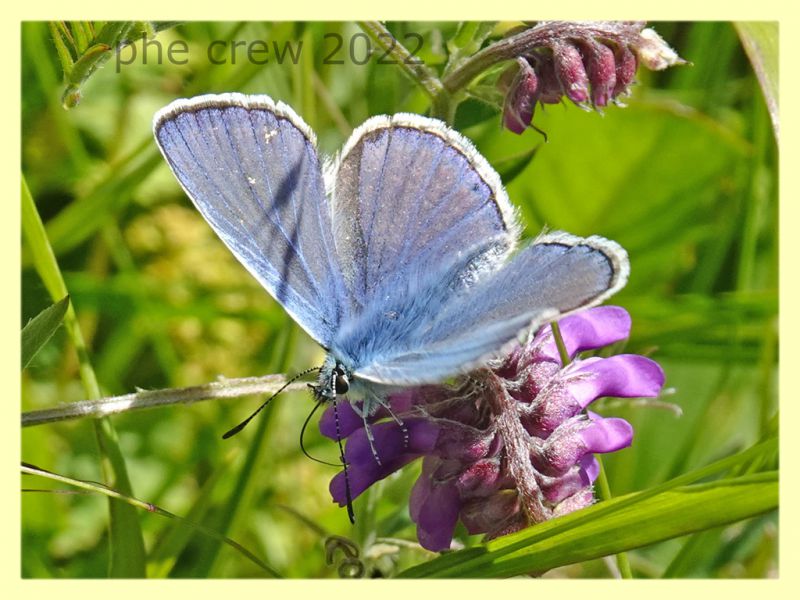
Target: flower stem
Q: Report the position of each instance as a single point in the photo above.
(604, 492)
(398, 54)
(562, 347)
(601, 484)
(227, 388)
(506, 49)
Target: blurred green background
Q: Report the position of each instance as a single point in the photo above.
(684, 178)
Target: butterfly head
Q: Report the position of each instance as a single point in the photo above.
(335, 379)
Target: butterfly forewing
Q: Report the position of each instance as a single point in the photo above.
(410, 191)
(251, 168)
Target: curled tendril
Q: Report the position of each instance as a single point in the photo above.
(350, 567)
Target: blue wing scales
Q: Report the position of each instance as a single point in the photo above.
(409, 191)
(552, 277)
(251, 168)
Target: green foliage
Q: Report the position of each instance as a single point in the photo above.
(685, 178)
(41, 328)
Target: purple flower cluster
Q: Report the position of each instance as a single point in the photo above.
(509, 445)
(591, 63)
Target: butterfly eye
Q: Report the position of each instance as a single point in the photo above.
(342, 384)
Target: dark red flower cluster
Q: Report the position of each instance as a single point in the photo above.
(591, 63)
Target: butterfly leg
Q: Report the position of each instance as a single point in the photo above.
(396, 419)
(364, 414)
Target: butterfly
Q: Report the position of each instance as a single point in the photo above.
(398, 256)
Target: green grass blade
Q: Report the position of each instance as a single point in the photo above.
(84, 217)
(135, 503)
(671, 514)
(126, 542)
(41, 328)
(518, 542)
(225, 519)
(760, 41)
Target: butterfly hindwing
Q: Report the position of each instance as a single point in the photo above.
(548, 279)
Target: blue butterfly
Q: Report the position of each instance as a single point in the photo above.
(398, 256)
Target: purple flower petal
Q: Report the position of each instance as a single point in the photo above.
(590, 468)
(363, 476)
(389, 442)
(394, 453)
(434, 508)
(586, 330)
(577, 437)
(606, 434)
(349, 421)
(623, 376)
(421, 489)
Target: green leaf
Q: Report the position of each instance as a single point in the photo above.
(624, 525)
(94, 52)
(511, 167)
(466, 41)
(41, 328)
(760, 41)
(61, 39)
(474, 111)
(125, 533)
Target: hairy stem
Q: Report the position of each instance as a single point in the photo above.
(415, 68)
(526, 41)
(225, 388)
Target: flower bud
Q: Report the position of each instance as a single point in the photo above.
(480, 479)
(521, 98)
(571, 72)
(488, 514)
(549, 86)
(462, 442)
(556, 489)
(579, 500)
(654, 52)
(602, 71)
(626, 70)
